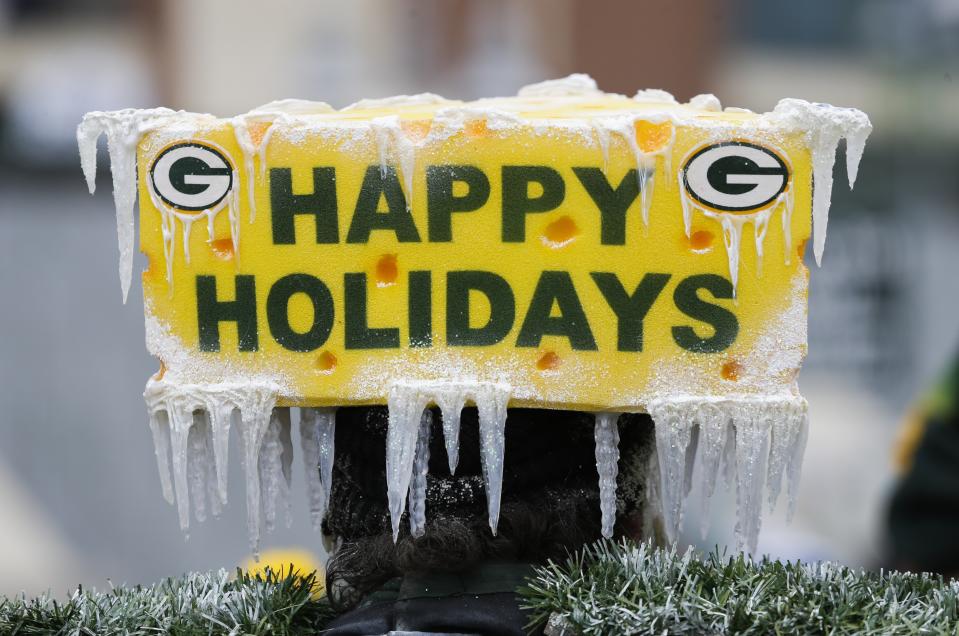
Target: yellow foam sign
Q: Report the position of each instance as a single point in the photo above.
(590, 253)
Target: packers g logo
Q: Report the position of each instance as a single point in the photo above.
(735, 176)
(191, 176)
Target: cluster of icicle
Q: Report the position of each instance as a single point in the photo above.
(757, 441)
(760, 440)
(191, 426)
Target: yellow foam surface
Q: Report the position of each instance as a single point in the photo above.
(333, 319)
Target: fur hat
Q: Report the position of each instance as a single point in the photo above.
(549, 454)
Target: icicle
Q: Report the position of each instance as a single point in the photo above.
(451, 407)
(268, 464)
(233, 215)
(123, 129)
(197, 467)
(653, 520)
(181, 418)
(750, 433)
(685, 203)
(732, 237)
(645, 163)
(390, 138)
(729, 457)
(421, 465)
(160, 427)
(491, 403)
(732, 225)
(645, 173)
(606, 434)
(752, 453)
(794, 469)
(785, 433)
(241, 131)
(317, 428)
(602, 138)
(254, 419)
(406, 404)
(788, 200)
(824, 126)
(855, 145)
(202, 419)
(261, 152)
(691, 452)
(286, 461)
(713, 427)
(169, 217)
(220, 416)
(673, 427)
(761, 225)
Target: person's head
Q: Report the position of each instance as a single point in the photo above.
(550, 498)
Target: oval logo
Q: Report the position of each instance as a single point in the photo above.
(191, 176)
(735, 176)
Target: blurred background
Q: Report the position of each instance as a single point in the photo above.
(79, 495)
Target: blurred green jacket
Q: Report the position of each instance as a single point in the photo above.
(924, 510)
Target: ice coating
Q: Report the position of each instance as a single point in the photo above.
(285, 111)
(397, 101)
(733, 224)
(825, 126)
(241, 130)
(794, 465)
(317, 434)
(169, 217)
(451, 402)
(575, 84)
(602, 138)
(202, 468)
(714, 432)
(394, 146)
(280, 107)
(275, 456)
(160, 427)
(673, 430)
(421, 465)
(491, 404)
(182, 406)
(123, 129)
(654, 95)
(761, 438)
(757, 435)
(625, 128)
(606, 435)
(706, 101)
(407, 402)
(191, 422)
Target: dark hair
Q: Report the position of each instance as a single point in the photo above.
(550, 500)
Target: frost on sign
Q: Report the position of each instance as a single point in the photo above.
(564, 248)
